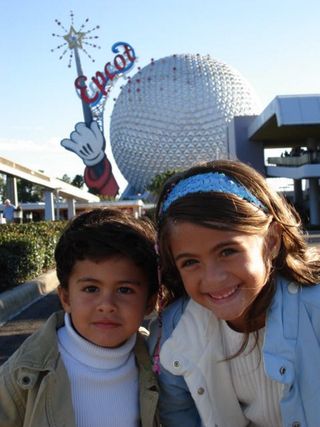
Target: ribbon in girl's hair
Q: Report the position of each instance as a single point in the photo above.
(209, 182)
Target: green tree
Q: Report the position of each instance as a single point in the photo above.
(157, 181)
(3, 188)
(78, 181)
(66, 178)
(28, 191)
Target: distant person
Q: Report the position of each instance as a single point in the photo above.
(8, 210)
(89, 366)
(2, 219)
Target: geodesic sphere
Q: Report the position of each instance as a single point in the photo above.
(173, 113)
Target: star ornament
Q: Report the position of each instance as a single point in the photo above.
(74, 38)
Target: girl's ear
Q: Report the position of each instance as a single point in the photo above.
(64, 298)
(273, 240)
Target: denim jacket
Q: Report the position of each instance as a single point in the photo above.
(196, 392)
(35, 389)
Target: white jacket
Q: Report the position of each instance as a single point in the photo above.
(193, 383)
(208, 382)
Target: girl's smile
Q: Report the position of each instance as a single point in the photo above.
(222, 270)
(218, 296)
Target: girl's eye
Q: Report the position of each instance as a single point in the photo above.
(90, 289)
(125, 290)
(228, 251)
(188, 263)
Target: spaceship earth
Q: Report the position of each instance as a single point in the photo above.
(174, 112)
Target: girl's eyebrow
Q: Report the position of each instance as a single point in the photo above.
(220, 245)
(183, 255)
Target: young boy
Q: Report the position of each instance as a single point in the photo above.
(89, 367)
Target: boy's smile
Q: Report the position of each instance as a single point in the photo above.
(107, 300)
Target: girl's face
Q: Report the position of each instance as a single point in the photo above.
(222, 270)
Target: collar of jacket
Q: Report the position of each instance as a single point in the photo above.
(42, 355)
(148, 385)
(188, 340)
(45, 342)
(202, 325)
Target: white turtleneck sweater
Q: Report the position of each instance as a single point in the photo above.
(258, 395)
(104, 381)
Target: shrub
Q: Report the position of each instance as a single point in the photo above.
(26, 250)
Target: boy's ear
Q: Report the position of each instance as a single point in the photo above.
(274, 240)
(151, 304)
(64, 298)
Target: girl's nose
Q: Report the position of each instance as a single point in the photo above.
(214, 276)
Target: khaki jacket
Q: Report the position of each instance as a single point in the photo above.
(35, 389)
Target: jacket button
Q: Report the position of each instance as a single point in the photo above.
(293, 288)
(176, 363)
(200, 390)
(282, 370)
(295, 424)
(26, 380)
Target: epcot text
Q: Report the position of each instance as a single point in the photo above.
(122, 63)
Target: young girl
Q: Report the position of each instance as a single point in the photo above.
(239, 343)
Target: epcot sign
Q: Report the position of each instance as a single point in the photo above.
(87, 139)
(102, 81)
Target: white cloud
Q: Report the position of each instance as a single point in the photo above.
(51, 145)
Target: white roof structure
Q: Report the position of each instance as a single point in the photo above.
(65, 190)
(288, 118)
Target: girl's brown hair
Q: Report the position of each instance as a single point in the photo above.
(295, 261)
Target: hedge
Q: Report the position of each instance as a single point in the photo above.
(27, 250)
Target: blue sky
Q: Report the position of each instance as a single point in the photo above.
(274, 44)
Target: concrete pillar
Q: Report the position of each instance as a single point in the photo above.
(12, 189)
(57, 204)
(298, 193)
(49, 206)
(71, 208)
(314, 201)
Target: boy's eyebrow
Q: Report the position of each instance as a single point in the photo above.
(123, 281)
(87, 278)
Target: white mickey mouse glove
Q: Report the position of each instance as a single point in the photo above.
(87, 142)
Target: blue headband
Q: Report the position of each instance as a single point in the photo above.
(209, 182)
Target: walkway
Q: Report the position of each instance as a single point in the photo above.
(13, 333)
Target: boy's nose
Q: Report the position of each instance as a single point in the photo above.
(107, 303)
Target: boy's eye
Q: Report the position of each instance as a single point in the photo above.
(125, 290)
(90, 289)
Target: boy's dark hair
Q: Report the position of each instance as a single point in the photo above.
(104, 233)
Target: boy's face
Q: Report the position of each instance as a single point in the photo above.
(107, 300)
